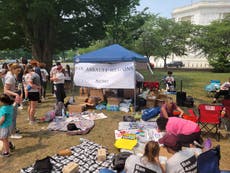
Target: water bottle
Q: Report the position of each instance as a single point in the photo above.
(63, 112)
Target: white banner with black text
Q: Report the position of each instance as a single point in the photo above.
(98, 75)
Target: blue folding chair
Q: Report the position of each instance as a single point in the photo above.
(208, 161)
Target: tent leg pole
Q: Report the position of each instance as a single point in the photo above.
(135, 94)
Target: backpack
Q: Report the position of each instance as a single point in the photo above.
(150, 113)
(119, 160)
(43, 166)
(72, 126)
(189, 101)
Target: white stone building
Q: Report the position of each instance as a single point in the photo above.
(199, 13)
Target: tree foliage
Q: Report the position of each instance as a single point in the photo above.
(214, 41)
(55, 25)
(161, 37)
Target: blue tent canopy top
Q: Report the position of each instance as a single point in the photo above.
(113, 53)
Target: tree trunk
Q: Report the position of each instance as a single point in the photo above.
(165, 58)
(43, 43)
(43, 54)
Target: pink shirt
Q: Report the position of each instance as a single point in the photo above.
(177, 126)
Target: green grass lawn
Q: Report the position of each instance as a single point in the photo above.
(37, 142)
(193, 83)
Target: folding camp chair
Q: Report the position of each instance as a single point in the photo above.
(208, 161)
(210, 118)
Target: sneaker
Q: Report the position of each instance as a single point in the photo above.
(5, 154)
(17, 131)
(32, 122)
(25, 100)
(16, 136)
(11, 146)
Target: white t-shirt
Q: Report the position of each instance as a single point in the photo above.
(32, 78)
(61, 78)
(169, 79)
(44, 74)
(10, 79)
(182, 162)
(134, 163)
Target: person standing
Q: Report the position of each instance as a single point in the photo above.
(139, 81)
(68, 78)
(37, 70)
(53, 72)
(6, 115)
(45, 76)
(32, 79)
(59, 79)
(10, 89)
(3, 72)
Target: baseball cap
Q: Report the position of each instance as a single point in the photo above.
(169, 140)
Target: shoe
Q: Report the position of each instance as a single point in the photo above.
(32, 122)
(15, 136)
(11, 146)
(25, 100)
(17, 131)
(5, 154)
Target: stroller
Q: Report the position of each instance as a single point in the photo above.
(212, 87)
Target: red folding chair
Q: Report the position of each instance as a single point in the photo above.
(210, 118)
(192, 116)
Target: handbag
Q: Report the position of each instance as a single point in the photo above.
(43, 166)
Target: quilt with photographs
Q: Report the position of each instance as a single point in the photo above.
(84, 154)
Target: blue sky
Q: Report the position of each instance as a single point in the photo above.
(163, 7)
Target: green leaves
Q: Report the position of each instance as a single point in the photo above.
(214, 41)
(162, 37)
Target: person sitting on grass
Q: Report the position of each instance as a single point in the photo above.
(148, 162)
(170, 82)
(182, 160)
(6, 116)
(169, 108)
(224, 90)
(186, 130)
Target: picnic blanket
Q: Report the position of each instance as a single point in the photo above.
(144, 130)
(85, 155)
(60, 124)
(137, 125)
